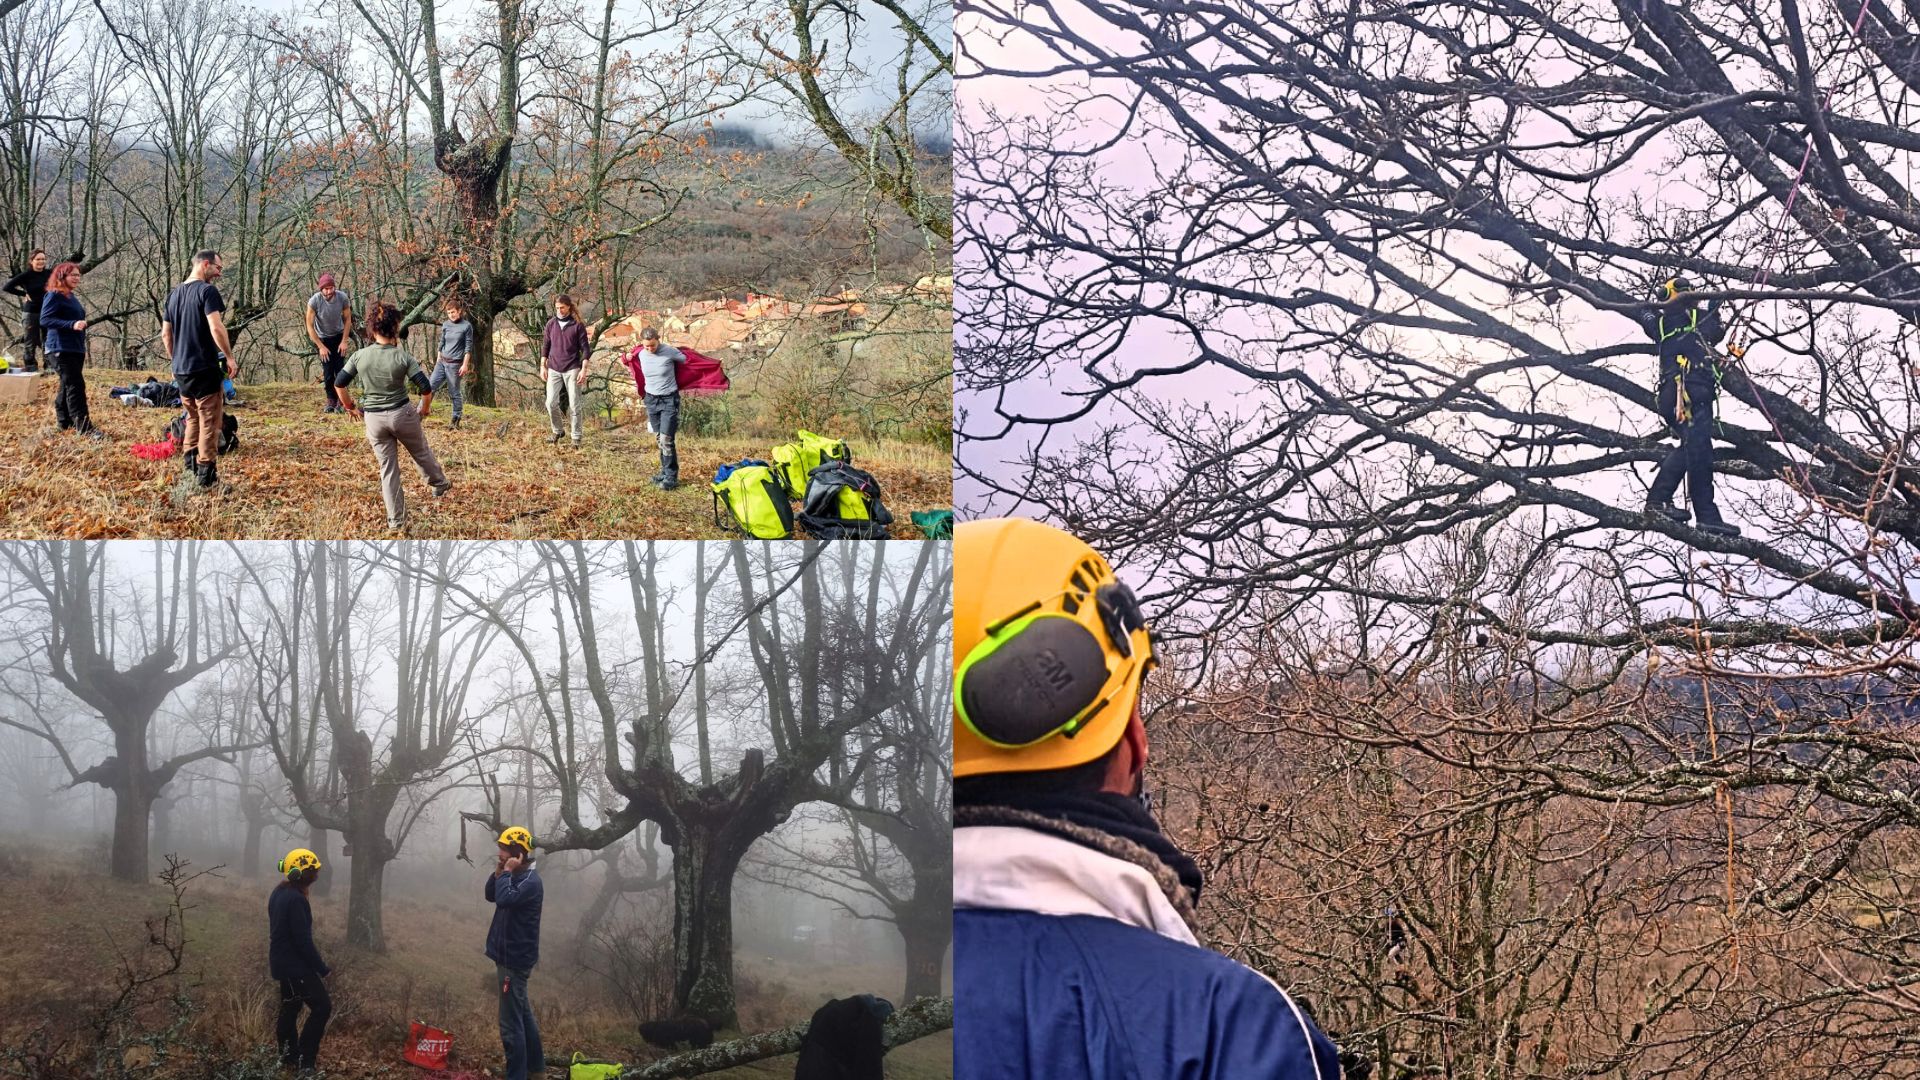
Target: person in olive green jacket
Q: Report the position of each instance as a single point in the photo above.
(383, 371)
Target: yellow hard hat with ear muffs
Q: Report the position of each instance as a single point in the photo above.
(1671, 288)
(298, 859)
(1050, 649)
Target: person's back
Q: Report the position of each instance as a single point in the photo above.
(188, 305)
(382, 372)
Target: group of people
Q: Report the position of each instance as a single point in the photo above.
(195, 337)
(513, 944)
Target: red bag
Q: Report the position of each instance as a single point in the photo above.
(427, 1046)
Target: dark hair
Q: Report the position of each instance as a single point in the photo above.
(456, 302)
(206, 255)
(383, 319)
(563, 298)
(61, 278)
(991, 788)
(35, 251)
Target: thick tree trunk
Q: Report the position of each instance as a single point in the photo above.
(132, 817)
(365, 885)
(704, 862)
(926, 930)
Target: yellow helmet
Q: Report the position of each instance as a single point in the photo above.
(1049, 649)
(299, 859)
(514, 834)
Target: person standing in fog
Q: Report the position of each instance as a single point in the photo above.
(295, 964)
(513, 944)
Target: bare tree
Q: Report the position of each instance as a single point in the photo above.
(122, 652)
(817, 667)
(315, 640)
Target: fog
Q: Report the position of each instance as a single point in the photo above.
(733, 758)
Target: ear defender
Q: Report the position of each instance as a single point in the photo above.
(1040, 673)
(1037, 676)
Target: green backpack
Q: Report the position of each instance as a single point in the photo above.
(795, 461)
(755, 498)
(593, 1070)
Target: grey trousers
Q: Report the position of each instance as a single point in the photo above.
(570, 381)
(387, 432)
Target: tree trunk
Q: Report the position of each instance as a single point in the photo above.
(926, 930)
(367, 879)
(704, 862)
(132, 810)
(250, 852)
(317, 843)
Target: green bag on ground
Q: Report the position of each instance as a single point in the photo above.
(934, 524)
(794, 462)
(823, 449)
(583, 1069)
(755, 499)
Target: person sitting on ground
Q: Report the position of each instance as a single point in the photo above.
(1075, 953)
(660, 374)
(384, 370)
(30, 285)
(563, 363)
(293, 961)
(193, 330)
(1689, 380)
(65, 322)
(329, 322)
(456, 355)
(513, 944)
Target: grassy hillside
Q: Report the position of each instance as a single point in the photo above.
(76, 925)
(302, 474)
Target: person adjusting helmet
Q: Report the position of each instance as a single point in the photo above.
(1689, 380)
(513, 944)
(293, 961)
(1074, 946)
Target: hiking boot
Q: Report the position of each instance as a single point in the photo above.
(1667, 510)
(95, 434)
(191, 462)
(576, 442)
(456, 422)
(209, 476)
(1719, 528)
(441, 491)
(668, 483)
(555, 440)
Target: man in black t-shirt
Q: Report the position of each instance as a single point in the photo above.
(195, 335)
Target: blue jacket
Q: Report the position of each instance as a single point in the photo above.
(58, 313)
(290, 951)
(1071, 996)
(513, 941)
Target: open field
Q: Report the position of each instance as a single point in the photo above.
(301, 474)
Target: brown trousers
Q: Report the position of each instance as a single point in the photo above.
(203, 424)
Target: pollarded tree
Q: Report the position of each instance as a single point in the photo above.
(809, 661)
(120, 635)
(363, 664)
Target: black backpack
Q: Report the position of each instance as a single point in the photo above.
(229, 432)
(843, 503)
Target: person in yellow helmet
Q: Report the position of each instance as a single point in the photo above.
(513, 944)
(293, 961)
(1688, 337)
(1075, 953)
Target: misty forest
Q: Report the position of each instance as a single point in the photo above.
(1326, 322)
(733, 759)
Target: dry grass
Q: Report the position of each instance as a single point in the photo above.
(300, 474)
(64, 956)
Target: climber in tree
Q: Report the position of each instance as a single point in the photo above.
(1688, 335)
